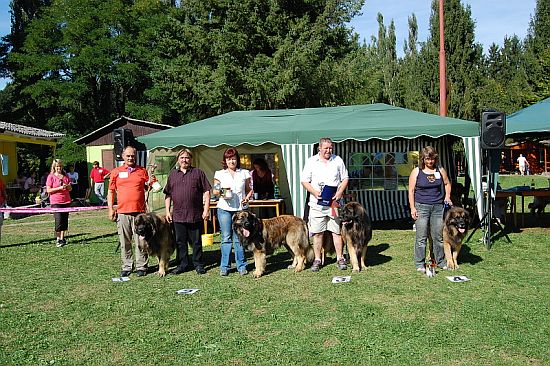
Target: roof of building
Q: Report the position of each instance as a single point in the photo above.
(117, 123)
(15, 129)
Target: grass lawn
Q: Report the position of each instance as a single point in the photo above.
(59, 306)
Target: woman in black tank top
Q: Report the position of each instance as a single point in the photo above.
(429, 188)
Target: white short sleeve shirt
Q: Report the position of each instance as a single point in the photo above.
(237, 185)
(320, 173)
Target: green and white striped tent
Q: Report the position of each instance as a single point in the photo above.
(294, 133)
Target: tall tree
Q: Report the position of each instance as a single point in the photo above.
(464, 61)
(506, 83)
(79, 63)
(538, 49)
(219, 56)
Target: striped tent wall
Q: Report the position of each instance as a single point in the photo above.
(472, 150)
(393, 204)
(294, 158)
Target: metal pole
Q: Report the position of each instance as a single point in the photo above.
(442, 64)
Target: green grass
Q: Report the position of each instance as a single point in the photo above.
(59, 306)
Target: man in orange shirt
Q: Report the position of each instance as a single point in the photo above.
(128, 183)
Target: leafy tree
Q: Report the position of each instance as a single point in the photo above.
(463, 56)
(213, 57)
(79, 63)
(538, 50)
(506, 85)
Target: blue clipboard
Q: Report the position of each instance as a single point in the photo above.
(326, 195)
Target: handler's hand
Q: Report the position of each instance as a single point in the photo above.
(414, 213)
(112, 214)
(206, 215)
(169, 217)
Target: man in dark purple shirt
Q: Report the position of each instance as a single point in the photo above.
(188, 190)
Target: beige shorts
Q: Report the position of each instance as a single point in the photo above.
(322, 220)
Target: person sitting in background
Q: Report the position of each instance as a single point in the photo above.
(30, 184)
(44, 178)
(262, 179)
(20, 180)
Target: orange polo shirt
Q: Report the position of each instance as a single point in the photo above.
(129, 185)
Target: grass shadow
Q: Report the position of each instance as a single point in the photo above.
(375, 256)
(71, 239)
(466, 255)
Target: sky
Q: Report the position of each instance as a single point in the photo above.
(494, 19)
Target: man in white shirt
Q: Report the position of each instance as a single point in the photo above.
(325, 170)
(523, 164)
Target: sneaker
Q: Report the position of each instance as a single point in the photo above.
(243, 272)
(141, 273)
(341, 263)
(200, 270)
(316, 265)
(224, 273)
(421, 269)
(124, 273)
(58, 243)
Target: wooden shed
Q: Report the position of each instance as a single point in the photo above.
(100, 144)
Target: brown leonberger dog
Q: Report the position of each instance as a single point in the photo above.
(264, 236)
(156, 237)
(455, 228)
(356, 231)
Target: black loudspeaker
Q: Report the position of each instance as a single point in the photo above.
(493, 130)
(122, 137)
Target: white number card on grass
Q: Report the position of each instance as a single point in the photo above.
(187, 291)
(341, 279)
(458, 278)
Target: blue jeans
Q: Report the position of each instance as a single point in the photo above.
(230, 239)
(430, 220)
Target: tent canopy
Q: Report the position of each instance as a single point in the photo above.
(306, 126)
(533, 119)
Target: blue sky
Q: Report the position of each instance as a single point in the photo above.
(494, 19)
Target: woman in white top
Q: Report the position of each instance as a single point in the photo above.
(232, 185)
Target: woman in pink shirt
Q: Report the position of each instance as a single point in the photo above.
(58, 186)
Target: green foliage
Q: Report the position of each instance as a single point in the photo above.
(70, 152)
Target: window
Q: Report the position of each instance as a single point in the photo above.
(381, 170)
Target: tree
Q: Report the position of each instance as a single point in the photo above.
(464, 59)
(506, 83)
(80, 64)
(213, 57)
(538, 50)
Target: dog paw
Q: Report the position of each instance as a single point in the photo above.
(257, 274)
(291, 266)
(356, 270)
(161, 273)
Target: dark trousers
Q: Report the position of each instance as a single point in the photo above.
(188, 233)
(61, 218)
